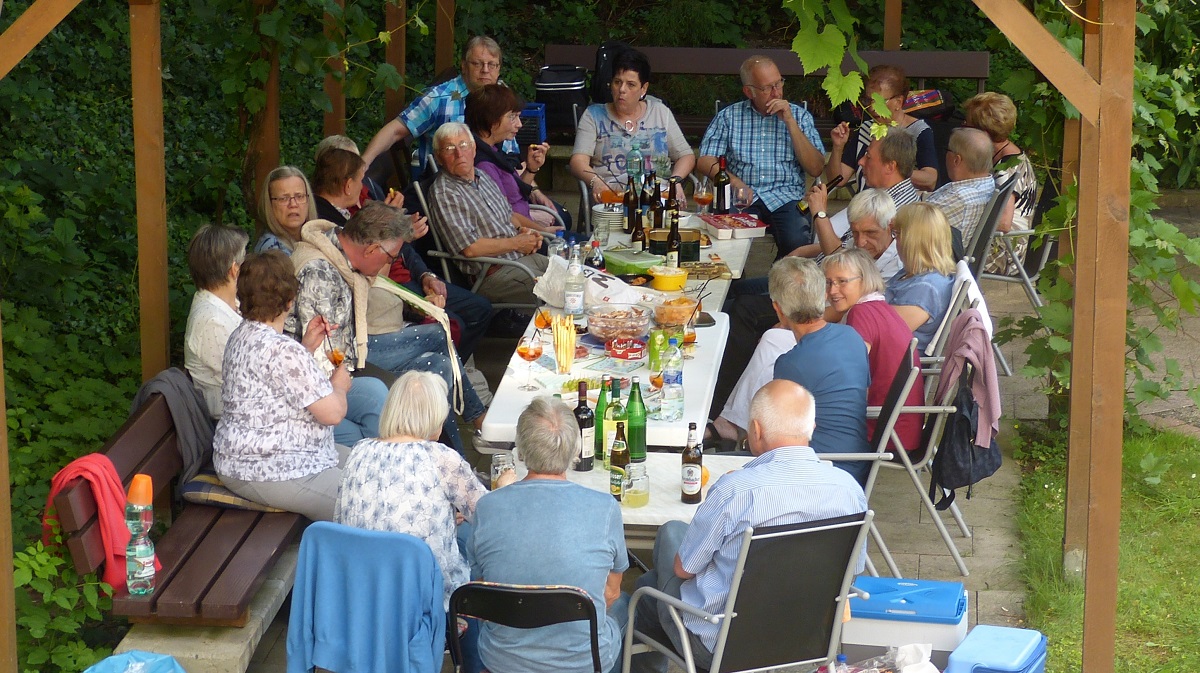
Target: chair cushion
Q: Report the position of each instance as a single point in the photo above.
(207, 489)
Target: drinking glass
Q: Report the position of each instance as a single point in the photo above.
(662, 164)
(530, 349)
(741, 198)
(501, 463)
(613, 196)
(704, 195)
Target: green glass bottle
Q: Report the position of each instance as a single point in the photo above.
(614, 413)
(635, 425)
(601, 410)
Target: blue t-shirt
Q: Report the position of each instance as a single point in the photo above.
(831, 363)
(928, 291)
(545, 531)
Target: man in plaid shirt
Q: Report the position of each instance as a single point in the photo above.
(769, 144)
(446, 102)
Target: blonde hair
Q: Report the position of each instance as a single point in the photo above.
(993, 113)
(924, 239)
(416, 406)
(268, 214)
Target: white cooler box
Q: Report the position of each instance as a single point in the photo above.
(901, 612)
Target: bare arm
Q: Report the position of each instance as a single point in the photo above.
(925, 179)
(391, 133)
(914, 316)
(840, 135)
(612, 588)
(331, 409)
(527, 242)
(520, 221)
(684, 165)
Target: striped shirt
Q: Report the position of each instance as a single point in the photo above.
(465, 212)
(759, 150)
(446, 102)
(783, 486)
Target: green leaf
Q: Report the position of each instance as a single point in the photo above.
(385, 37)
(841, 88)
(387, 77)
(1145, 24)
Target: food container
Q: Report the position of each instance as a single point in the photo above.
(625, 349)
(689, 243)
(675, 312)
(619, 262)
(668, 279)
(618, 321)
(903, 611)
(999, 649)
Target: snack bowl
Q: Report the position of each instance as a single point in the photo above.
(618, 321)
(675, 312)
(668, 279)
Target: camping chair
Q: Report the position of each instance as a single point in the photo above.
(981, 244)
(1036, 255)
(523, 607)
(365, 600)
(775, 615)
(451, 271)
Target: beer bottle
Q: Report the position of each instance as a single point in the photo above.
(657, 210)
(722, 191)
(673, 205)
(614, 414)
(601, 410)
(586, 419)
(635, 414)
(618, 461)
(674, 243)
(693, 468)
(631, 205)
(637, 232)
(649, 194)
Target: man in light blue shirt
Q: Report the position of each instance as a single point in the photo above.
(785, 484)
(769, 144)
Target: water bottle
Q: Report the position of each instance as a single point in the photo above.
(573, 288)
(671, 408)
(557, 246)
(635, 161)
(139, 554)
(841, 666)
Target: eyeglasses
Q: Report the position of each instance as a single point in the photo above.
(485, 66)
(839, 282)
(290, 199)
(512, 117)
(391, 258)
(457, 148)
(776, 86)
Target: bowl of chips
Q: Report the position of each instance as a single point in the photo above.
(675, 312)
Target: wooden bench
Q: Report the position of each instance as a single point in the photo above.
(920, 66)
(213, 559)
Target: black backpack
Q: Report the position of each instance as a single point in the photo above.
(563, 90)
(959, 461)
(606, 53)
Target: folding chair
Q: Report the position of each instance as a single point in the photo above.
(523, 607)
(775, 615)
(1029, 270)
(981, 238)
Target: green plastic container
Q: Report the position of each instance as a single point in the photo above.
(620, 262)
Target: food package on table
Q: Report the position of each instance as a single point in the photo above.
(601, 288)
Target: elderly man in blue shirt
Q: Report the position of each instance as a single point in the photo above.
(785, 483)
(769, 144)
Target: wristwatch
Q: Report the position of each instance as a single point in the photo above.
(820, 214)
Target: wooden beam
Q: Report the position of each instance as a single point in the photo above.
(264, 150)
(335, 119)
(8, 608)
(1046, 54)
(145, 37)
(892, 14)
(444, 48)
(34, 24)
(1097, 411)
(396, 53)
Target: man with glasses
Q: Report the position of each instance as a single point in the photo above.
(336, 266)
(969, 165)
(446, 102)
(769, 144)
(475, 220)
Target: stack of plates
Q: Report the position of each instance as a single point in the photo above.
(612, 220)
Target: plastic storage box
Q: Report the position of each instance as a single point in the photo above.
(903, 611)
(999, 649)
(533, 121)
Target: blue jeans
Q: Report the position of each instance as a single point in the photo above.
(653, 618)
(364, 401)
(790, 227)
(473, 313)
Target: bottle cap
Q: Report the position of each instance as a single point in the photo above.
(141, 490)
(673, 342)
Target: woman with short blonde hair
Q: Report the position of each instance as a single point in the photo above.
(920, 293)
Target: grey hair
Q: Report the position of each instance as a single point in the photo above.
(899, 146)
(798, 286)
(487, 43)
(339, 142)
(264, 202)
(860, 263)
(416, 405)
(780, 420)
(747, 70)
(377, 222)
(876, 204)
(547, 436)
(449, 130)
(212, 253)
(975, 148)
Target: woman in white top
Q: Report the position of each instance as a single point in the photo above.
(215, 256)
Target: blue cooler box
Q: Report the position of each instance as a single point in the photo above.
(999, 649)
(902, 612)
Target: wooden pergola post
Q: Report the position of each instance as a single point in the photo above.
(893, 12)
(263, 153)
(335, 119)
(395, 16)
(145, 31)
(444, 46)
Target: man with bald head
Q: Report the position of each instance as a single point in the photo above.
(785, 483)
(969, 165)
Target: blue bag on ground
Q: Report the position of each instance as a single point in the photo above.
(137, 661)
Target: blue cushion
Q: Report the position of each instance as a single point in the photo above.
(207, 489)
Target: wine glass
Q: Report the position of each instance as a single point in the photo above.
(530, 349)
(742, 198)
(703, 195)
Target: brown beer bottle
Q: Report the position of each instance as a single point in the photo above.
(656, 209)
(618, 460)
(693, 468)
(637, 231)
(631, 205)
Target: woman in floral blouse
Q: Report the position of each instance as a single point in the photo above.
(274, 444)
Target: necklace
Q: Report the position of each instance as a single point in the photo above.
(996, 156)
(631, 123)
(629, 126)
